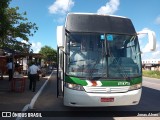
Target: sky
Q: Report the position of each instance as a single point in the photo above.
(48, 14)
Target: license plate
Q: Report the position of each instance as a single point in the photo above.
(107, 99)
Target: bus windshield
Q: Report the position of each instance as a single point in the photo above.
(101, 55)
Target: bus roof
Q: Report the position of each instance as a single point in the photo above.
(92, 22)
(96, 14)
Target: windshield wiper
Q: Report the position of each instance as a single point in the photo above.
(76, 61)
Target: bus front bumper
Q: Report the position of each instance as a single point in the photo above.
(83, 99)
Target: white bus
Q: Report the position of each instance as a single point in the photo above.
(99, 61)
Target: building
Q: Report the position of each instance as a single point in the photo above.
(151, 64)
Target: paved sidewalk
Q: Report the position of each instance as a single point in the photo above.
(15, 101)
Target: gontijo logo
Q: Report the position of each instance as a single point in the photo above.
(123, 83)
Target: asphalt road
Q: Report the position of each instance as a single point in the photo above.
(150, 103)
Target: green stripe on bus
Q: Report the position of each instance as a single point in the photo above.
(136, 80)
(75, 80)
(133, 81)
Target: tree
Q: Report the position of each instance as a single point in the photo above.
(14, 25)
(49, 53)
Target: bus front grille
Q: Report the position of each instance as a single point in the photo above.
(93, 89)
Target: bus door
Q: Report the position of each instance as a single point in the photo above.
(60, 72)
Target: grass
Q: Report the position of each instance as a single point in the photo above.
(152, 74)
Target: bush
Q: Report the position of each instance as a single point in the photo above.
(149, 73)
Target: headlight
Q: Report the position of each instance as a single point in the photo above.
(74, 86)
(136, 86)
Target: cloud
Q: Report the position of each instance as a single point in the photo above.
(23, 41)
(110, 8)
(157, 20)
(61, 6)
(36, 46)
(146, 48)
(61, 19)
(144, 45)
(143, 40)
(141, 36)
(156, 54)
(151, 55)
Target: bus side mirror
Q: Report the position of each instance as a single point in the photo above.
(60, 36)
(151, 39)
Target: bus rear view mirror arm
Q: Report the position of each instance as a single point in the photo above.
(151, 39)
